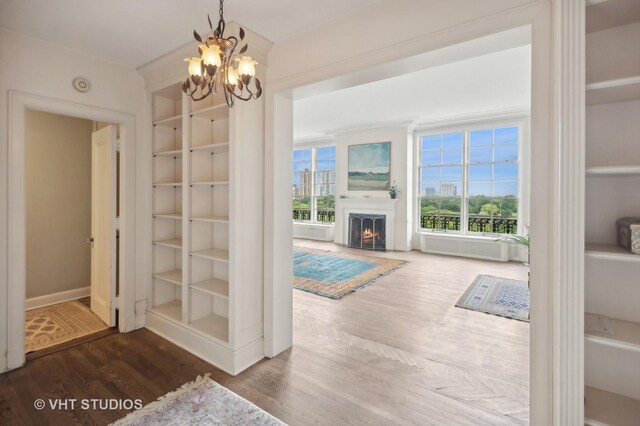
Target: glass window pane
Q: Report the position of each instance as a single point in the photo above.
(480, 188)
(450, 189)
(430, 157)
(306, 154)
(501, 189)
(507, 135)
(452, 173)
(480, 172)
(506, 153)
(430, 189)
(505, 171)
(322, 153)
(452, 156)
(481, 137)
(430, 173)
(452, 140)
(301, 166)
(481, 155)
(507, 206)
(431, 142)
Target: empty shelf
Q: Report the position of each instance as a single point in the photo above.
(174, 184)
(606, 408)
(211, 148)
(175, 243)
(214, 286)
(614, 171)
(211, 183)
(174, 122)
(623, 332)
(618, 90)
(213, 326)
(211, 219)
(173, 153)
(168, 215)
(171, 310)
(173, 277)
(213, 254)
(610, 251)
(216, 112)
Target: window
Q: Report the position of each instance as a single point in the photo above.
(469, 180)
(314, 184)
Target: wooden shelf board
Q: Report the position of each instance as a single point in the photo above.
(211, 219)
(174, 184)
(212, 254)
(174, 122)
(173, 153)
(173, 277)
(213, 326)
(624, 332)
(607, 408)
(613, 171)
(175, 243)
(212, 183)
(214, 286)
(610, 251)
(215, 112)
(168, 216)
(211, 148)
(171, 310)
(610, 91)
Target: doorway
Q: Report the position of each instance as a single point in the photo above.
(72, 236)
(19, 103)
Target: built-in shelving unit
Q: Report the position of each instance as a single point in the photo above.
(206, 291)
(612, 283)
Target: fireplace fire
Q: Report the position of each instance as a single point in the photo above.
(367, 231)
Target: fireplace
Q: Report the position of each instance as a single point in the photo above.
(368, 231)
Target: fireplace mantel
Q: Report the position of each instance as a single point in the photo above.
(369, 205)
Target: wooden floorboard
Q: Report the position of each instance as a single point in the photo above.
(394, 353)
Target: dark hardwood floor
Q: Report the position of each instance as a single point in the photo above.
(395, 353)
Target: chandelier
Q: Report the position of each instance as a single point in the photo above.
(219, 67)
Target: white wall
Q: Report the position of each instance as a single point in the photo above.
(36, 67)
(58, 198)
(401, 173)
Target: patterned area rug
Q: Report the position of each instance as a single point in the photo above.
(497, 296)
(333, 275)
(60, 323)
(201, 402)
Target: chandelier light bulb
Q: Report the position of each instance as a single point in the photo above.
(195, 69)
(246, 66)
(211, 55)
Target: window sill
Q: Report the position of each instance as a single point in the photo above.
(459, 236)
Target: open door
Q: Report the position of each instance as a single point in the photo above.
(103, 224)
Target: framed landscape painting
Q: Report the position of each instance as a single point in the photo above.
(369, 167)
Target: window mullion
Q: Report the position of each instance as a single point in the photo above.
(465, 177)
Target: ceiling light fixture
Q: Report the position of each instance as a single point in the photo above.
(219, 67)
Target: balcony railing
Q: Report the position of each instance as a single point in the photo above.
(323, 216)
(483, 224)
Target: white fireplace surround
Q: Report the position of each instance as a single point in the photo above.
(364, 205)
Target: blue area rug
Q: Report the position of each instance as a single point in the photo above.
(333, 275)
(504, 297)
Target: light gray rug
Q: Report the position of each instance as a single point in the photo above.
(201, 402)
(504, 297)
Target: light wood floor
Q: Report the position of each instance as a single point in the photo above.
(396, 352)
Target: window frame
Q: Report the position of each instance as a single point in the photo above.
(520, 121)
(314, 196)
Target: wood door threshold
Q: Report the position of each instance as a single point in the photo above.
(71, 343)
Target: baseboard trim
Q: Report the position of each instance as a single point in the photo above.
(52, 299)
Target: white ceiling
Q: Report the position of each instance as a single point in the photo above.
(135, 32)
(493, 82)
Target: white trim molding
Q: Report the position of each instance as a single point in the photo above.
(18, 104)
(55, 298)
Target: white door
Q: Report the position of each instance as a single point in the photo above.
(103, 230)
